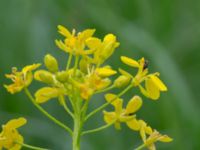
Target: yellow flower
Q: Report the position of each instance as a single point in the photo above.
(92, 83)
(120, 114)
(46, 93)
(105, 72)
(144, 129)
(141, 126)
(44, 76)
(9, 136)
(21, 79)
(153, 138)
(102, 49)
(74, 44)
(95, 80)
(153, 85)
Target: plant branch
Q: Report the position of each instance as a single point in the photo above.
(46, 113)
(30, 146)
(106, 104)
(97, 129)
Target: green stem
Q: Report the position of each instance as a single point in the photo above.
(106, 104)
(30, 146)
(77, 120)
(140, 147)
(67, 109)
(46, 113)
(76, 134)
(105, 90)
(97, 129)
(69, 61)
(76, 64)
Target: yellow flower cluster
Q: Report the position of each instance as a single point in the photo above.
(85, 75)
(20, 79)
(9, 136)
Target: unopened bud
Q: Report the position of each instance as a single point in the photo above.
(62, 76)
(121, 81)
(51, 63)
(44, 76)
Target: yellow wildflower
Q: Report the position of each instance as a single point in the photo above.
(153, 138)
(92, 83)
(102, 49)
(74, 44)
(9, 136)
(21, 79)
(120, 114)
(105, 72)
(46, 93)
(153, 85)
(139, 125)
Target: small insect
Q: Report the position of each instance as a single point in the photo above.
(146, 64)
(130, 114)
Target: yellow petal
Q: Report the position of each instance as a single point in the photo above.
(130, 62)
(148, 130)
(143, 91)
(115, 101)
(30, 67)
(86, 34)
(105, 72)
(165, 138)
(61, 45)
(16, 123)
(133, 124)
(16, 146)
(152, 89)
(125, 73)
(133, 105)
(46, 93)
(124, 118)
(103, 84)
(64, 31)
(93, 42)
(110, 37)
(109, 117)
(158, 83)
(143, 134)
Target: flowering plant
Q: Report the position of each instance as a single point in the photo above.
(86, 75)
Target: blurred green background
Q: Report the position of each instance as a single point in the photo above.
(166, 32)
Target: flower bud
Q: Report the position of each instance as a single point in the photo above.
(51, 63)
(121, 81)
(83, 64)
(105, 72)
(44, 76)
(62, 76)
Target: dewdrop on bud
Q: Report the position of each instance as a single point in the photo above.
(121, 81)
(51, 63)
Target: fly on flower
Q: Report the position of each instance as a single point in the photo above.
(153, 85)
